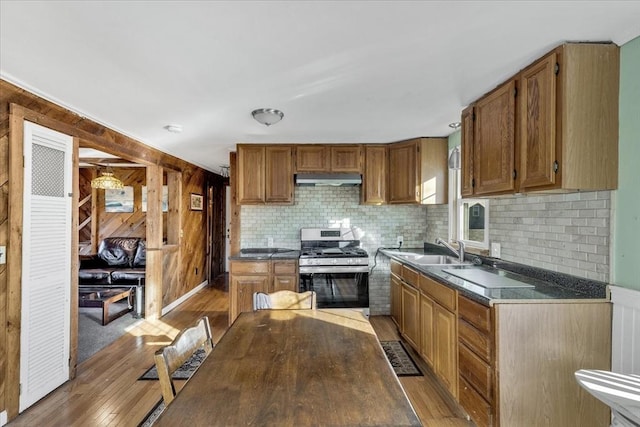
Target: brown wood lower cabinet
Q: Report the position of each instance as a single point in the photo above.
(516, 362)
(508, 364)
(248, 277)
(438, 333)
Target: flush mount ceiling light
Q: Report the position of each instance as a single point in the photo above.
(267, 116)
(455, 125)
(107, 181)
(173, 128)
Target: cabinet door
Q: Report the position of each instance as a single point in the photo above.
(434, 171)
(396, 301)
(346, 158)
(243, 288)
(537, 102)
(466, 152)
(404, 179)
(279, 174)
(426, 320)
(374, 178)
(411, 315)
(446, 365)
(494, 141)
(312, 158)
(251, 173)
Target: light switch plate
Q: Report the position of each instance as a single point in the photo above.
(3, 254)
(495, 250)
(270, 242)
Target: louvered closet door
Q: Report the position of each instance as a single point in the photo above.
(46, 258)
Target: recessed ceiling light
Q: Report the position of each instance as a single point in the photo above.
(174, 128)
(455, 125)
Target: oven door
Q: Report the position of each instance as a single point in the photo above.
(337, 287)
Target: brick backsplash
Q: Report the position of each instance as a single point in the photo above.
(437, 222)
(568, 233)
(338, 207)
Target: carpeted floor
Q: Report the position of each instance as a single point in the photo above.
(92, 336)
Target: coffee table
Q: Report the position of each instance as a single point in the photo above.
(103, 298)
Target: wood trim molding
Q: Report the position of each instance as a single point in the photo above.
(14, 261)
(117, 144)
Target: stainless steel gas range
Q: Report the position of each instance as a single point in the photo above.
(333, 264)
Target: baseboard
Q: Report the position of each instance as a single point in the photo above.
(183, 298)
(3, 418)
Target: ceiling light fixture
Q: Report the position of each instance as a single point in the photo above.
(267, 116)
(107, 181)
(455, 125)
(174, 128)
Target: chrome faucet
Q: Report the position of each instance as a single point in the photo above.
(459, 253)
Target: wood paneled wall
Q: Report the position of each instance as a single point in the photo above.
(4, 241)
(114, 224)
(190, 251)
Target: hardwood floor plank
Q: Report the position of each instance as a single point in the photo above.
(107, 392)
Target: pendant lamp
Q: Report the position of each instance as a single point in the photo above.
(107, 181)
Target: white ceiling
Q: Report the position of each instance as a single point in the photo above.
(341, 71)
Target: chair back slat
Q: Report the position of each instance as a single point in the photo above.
(168, 359)
(284, 300)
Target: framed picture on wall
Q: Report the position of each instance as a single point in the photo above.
(197, 202)
(118, 200)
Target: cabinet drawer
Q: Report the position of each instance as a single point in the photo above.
(285, 267)
(249, 267)
(475, 405)
(475, 370)
(396, 268)
(410, 276)
(477, 341)
(476, 314)
(442, 294)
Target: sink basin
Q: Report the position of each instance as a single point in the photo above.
(486, 279)
(430, 259)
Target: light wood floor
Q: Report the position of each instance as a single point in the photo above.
(106, 391)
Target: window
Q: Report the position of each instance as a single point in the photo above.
(468, 218)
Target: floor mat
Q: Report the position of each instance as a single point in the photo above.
(402, 363)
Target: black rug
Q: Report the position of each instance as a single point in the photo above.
(153, 415)
(402, 363)
(183, 372)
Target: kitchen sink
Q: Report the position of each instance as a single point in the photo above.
(429, 259)
(487, 279)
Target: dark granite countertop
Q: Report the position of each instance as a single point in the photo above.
(548, 286)
(261, 254)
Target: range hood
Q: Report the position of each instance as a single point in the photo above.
(328, 179)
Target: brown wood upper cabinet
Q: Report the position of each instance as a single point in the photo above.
(568, 121)
(329, 158)
(374, 176)
(493, 142)
(265, 174)
(563, 135)
(418, 171)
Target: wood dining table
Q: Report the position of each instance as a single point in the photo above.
(294, 368)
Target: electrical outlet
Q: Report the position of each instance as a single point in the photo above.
(399, 241)
(270, 242)
(3, 254)
(495, 250)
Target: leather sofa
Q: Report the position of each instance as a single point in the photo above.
(119, 261)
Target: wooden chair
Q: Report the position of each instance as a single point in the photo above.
(284, 300)
(168, 359)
